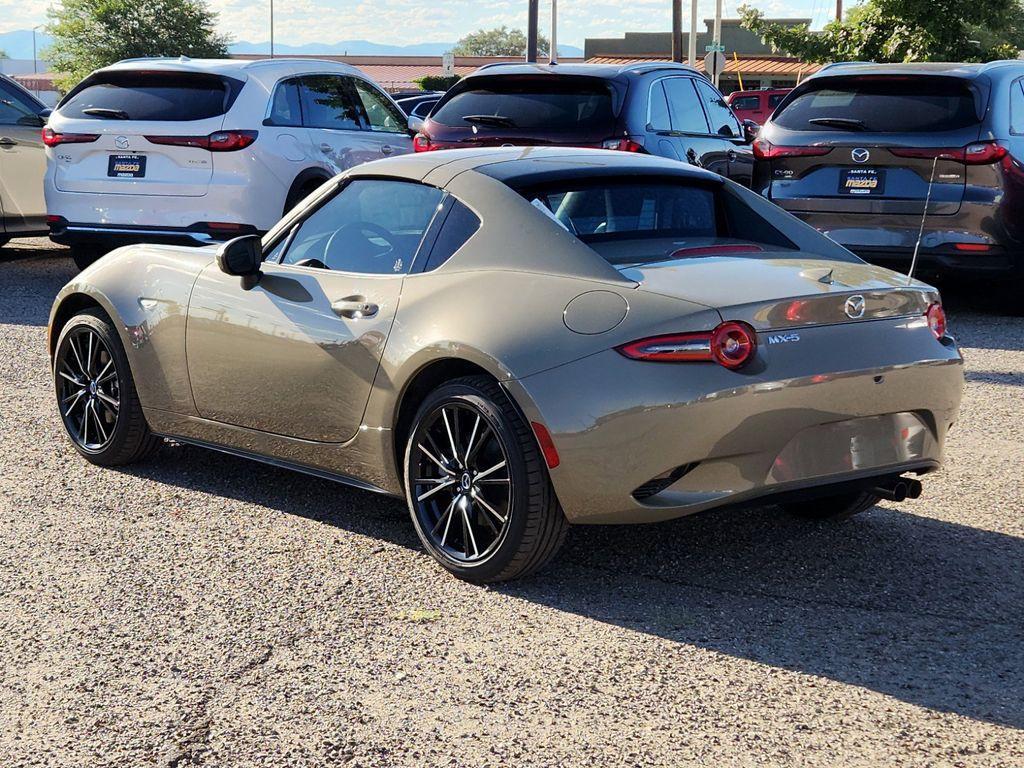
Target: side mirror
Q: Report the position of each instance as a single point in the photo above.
(45, 114)
(750, 130)
(242, 257)
(415, 125)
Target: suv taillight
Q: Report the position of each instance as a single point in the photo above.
(732, 345)
(622, 145)
(977, 153)
(765, 150)
(219, 141)
(53, 139)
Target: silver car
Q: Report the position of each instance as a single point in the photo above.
(519, 339)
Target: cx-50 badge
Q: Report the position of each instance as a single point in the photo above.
(855, 307)
(860, 155)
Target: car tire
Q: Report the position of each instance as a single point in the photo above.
(96, 396)
(84, 255)
(507, 525)
(837, 507)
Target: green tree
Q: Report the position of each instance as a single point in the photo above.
(902, 30)
(89, 34)
(501, 41)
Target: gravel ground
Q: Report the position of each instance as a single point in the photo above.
(203, 610)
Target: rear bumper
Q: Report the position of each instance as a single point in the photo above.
(112, 235)
(879, 403)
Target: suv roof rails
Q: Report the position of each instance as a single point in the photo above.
(654, 66)
(494, 64)
(153, 58)
(835, 64)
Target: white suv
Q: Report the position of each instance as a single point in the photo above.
(196, 151)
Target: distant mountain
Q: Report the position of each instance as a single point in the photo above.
(18, 44)
(363, 48)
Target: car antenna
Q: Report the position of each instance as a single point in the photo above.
(924, 215)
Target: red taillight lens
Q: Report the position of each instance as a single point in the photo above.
(936, 316)
(622, 145)
(731, 344)
(421, 143)
(765, 150)
(978, 153)
(221, 141)
(972, 247)
(52, 139)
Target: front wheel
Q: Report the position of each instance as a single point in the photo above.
(477, 487)
(96, 394)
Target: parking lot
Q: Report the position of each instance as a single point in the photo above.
(199, 609)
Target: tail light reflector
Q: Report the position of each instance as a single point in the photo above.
(936, 316)
(220, 141)
(547, 445)
(765, 150)
(53, 139)
(972, 247)
(622, 145)
(732, 345)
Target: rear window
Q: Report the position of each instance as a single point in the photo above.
(163, 96)
(556, 104)
(746, 102)
(881, 105)
(657, 216)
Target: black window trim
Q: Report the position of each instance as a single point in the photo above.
(707, 117)
(288, 232)
(1018, 83)
(672, 131)
(296, 79)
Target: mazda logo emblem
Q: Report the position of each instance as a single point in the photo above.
(121, 142)
(860, 155)
(855, 306)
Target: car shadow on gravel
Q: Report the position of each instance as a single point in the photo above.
(926, 611)
(31, 276)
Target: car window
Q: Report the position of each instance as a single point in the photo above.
(721, 119)
(15, 109)
(372, 226)
(380, 114)
(1017, 107)
(658, 117)
(747, 102)
(775, 99)
(460, 225)
(285, 108)
(558, 104)
(881, 104)
(148, 95)
(422, 109)
(327, 102)
(684, 106)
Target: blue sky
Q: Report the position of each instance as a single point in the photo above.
(403, 22)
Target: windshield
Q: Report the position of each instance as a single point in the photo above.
(549, 103)
(163, 96)
(634, 222)
(881, 105)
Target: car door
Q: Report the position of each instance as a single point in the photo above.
(22, 162)
(287, 146)
(333, 123)
(727, 130)
(386, 123)
(687, 137)
(296, 354)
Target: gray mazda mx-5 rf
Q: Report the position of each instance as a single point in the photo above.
(519, 339)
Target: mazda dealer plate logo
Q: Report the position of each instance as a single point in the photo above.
(855, 307)
(860, 155)
(121, 142)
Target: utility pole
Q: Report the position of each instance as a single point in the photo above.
(271, 28)
(553, 54)
(839, 10)
(677, 31)
(718, 30)
(692, 53)
(531, 31)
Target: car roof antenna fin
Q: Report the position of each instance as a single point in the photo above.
(924, 215)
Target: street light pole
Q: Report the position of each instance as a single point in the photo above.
(692, 53)
(531, 31)
(677, 31)
(271, 28)
(35, 65)
(553, 53)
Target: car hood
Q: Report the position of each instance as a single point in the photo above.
(778, 290)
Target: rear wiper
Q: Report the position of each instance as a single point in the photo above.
(116, 114)
(501, 120)
(840, 122)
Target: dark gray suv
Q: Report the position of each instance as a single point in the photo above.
(851, 151)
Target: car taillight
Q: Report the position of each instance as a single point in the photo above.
(936, 316)
(622, 145)
(52, 139)
(220, 141)
(732, 345)
(978, 153)
(765, 150)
